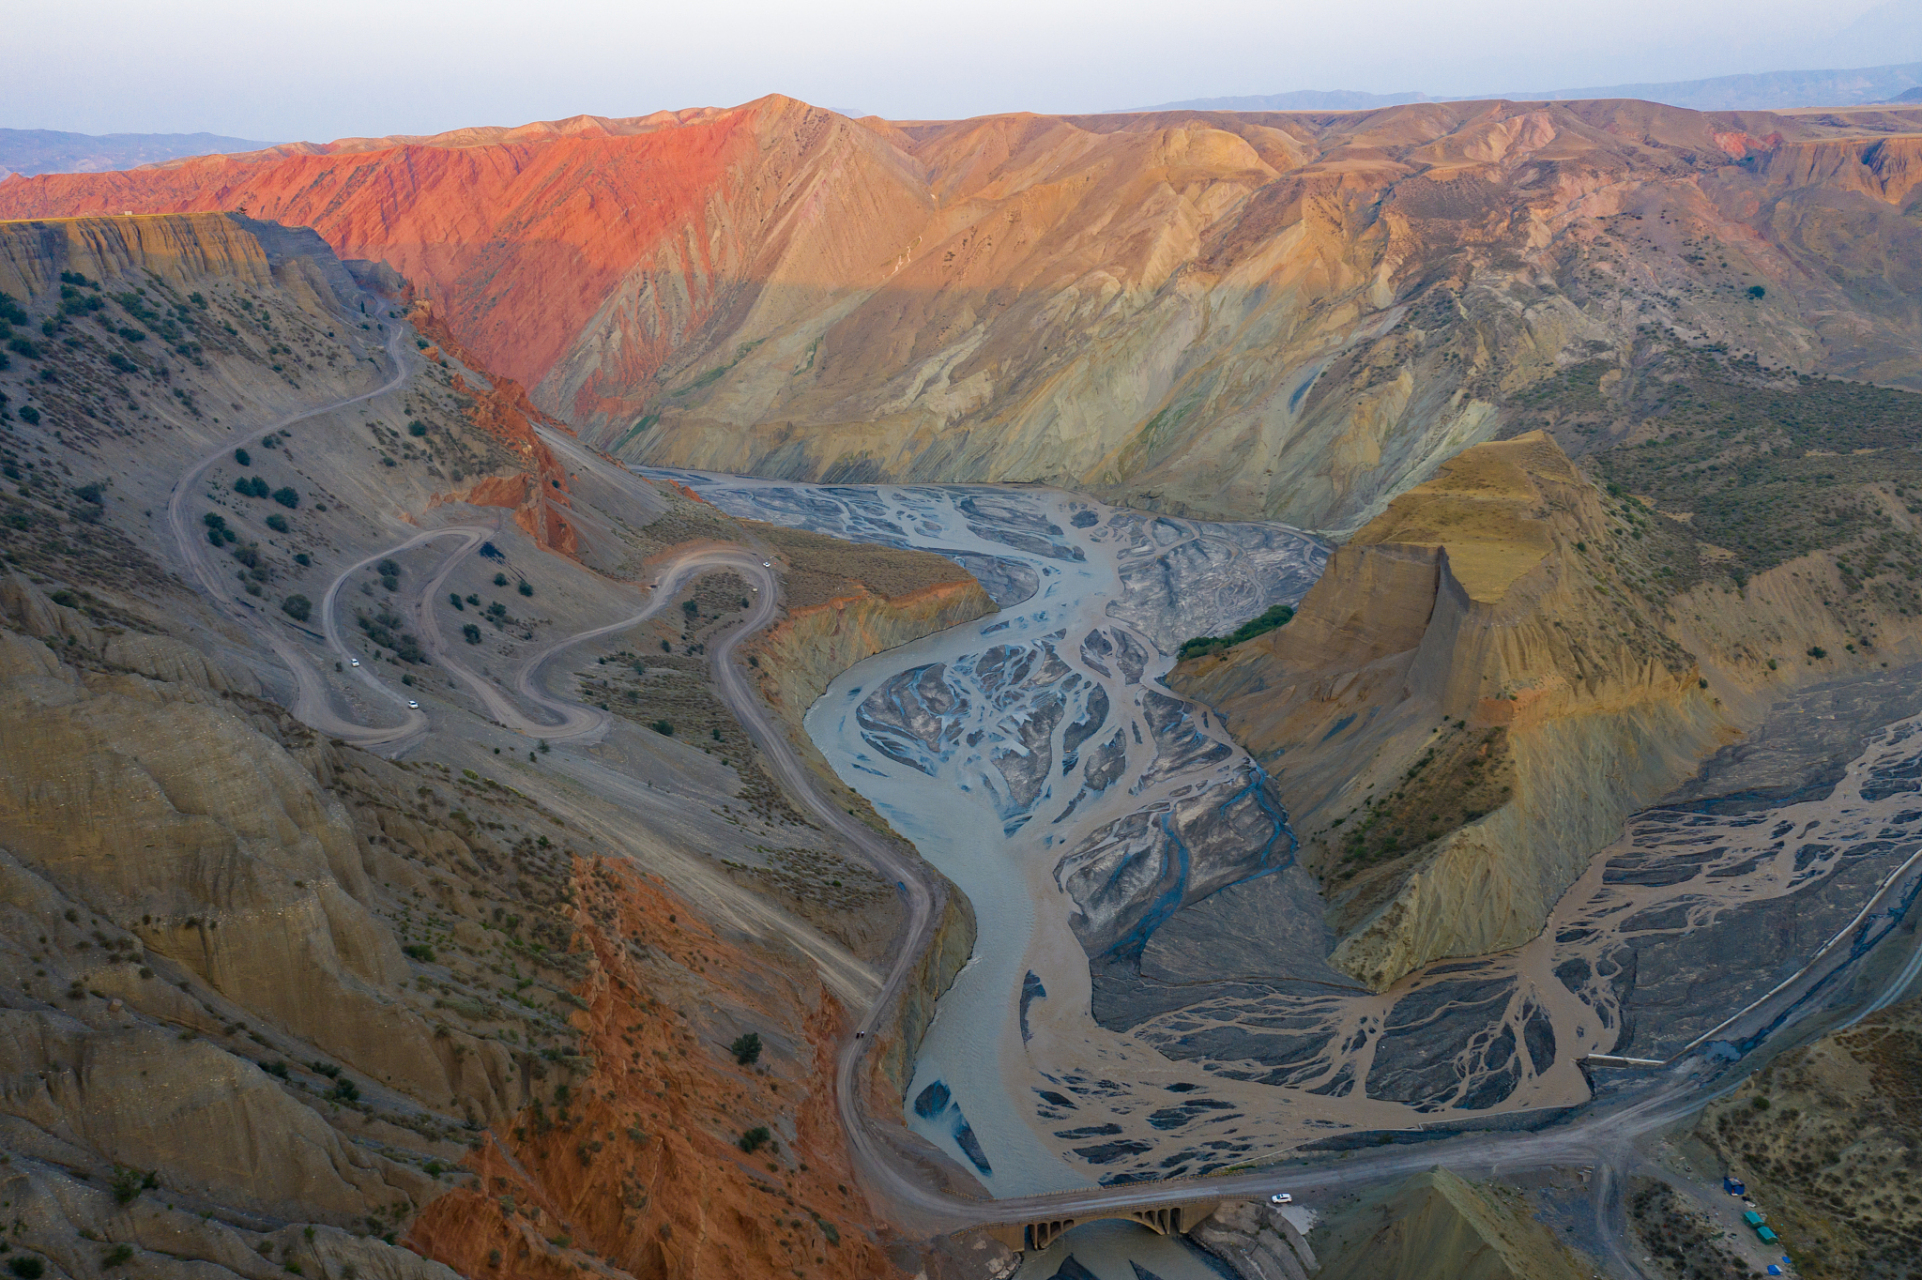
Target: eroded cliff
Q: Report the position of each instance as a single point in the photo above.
(845, 602)
(1292, 315)
(1498, 669)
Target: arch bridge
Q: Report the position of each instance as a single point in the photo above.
(1171, 1219)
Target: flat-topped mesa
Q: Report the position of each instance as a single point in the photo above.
(1465, 708)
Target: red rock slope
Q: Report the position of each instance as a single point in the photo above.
(1294, 315)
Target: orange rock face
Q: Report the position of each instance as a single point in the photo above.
(1290, 314)
(638, 1162)
(539, 495)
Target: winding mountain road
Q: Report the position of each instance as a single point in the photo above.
(311, 706)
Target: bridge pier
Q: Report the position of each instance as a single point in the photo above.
(1034, 1234)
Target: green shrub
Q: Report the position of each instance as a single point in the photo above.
(27, 1267)
(128, 1183)
(287, 497)
(472, 633)
(250, 487)
(754, 1139)
(417, 428)
(67, 598)
(663, 727)
(1817, 651)
(500, 579)
(244, 458)
(1275, 616)
(454, 599)
(345, 1091)
(419, 951)
(526, 588)
(297, 607)
(1757, 291)
(277, 522)
(115, 1256)
(746, 1049)
(29, 415)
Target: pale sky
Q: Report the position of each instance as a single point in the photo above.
(300, 69)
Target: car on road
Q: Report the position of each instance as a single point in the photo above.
(1281, 1197)
(767, 564)
(412, 705)
(354, 661)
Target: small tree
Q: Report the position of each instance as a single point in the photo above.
(297, 607)
(472, 633)
(754, 1139)
(287, 497)
(747, 1049)
(526, 588)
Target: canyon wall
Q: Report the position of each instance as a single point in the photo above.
(843, 602)
(1491, 676)
(275, 1004)
(1291, 315)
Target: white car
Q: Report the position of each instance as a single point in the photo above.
(412, 705)
(1281, 1197)
(767, 564)
(354, 661)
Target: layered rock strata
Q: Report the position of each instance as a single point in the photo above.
(1462, 712)
(1292, 315)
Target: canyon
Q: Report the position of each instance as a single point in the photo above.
(526, 640)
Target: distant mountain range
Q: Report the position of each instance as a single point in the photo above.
(1770, 89)
(32, 151)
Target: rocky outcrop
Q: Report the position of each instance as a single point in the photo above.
(1464, 709)
(1256, 1242)
(638, 1162)
(845, 602)
(1293, 315)
(814, 643)
(537, 493)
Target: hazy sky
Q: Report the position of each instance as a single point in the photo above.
(287, 69)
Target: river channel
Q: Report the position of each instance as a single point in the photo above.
(1149, 994)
